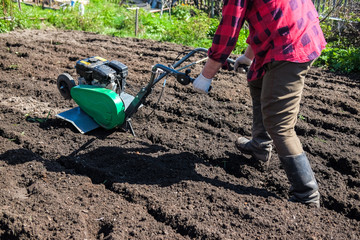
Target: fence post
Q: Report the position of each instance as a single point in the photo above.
(136, 21)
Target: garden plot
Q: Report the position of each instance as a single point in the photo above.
(181, 176)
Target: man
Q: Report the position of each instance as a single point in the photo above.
(285, 38)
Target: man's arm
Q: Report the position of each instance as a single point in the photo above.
(211, 68)
(227, 33)
(249, 53)
(226, 36)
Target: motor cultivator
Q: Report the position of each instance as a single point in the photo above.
(101, 95)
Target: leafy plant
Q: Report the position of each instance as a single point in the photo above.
(13, 66)
(320, 139)
(301, 117)
(342, 60)
(8, 12)
(7, 7)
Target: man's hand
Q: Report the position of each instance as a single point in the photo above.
(202, 84)
(227, 66)
(242, 60)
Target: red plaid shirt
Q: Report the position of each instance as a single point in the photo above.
(280, 30)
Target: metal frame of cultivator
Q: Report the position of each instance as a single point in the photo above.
(100, 105)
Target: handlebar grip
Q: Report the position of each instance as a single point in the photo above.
(227, 66)
(243, 68)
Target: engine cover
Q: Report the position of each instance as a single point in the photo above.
(99, 71)
(86, 66)
(103, 105)
(104, 74)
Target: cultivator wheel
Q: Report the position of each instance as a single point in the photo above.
(64, 83)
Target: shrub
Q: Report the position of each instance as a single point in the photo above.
(342, 60)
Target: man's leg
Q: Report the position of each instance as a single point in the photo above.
(280, 100)
(260, 145)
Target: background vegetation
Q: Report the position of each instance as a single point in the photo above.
(187, 25)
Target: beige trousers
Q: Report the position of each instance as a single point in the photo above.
(279, 94)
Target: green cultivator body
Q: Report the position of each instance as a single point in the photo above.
(104, 105)
(100, 93)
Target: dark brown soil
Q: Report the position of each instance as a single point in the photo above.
(180, 177)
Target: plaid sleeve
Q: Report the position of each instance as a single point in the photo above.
(227, 33)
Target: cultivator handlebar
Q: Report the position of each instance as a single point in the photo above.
(182, 77)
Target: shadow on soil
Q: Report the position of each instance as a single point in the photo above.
(148, 164)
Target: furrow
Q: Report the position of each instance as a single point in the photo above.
(338, 105)
(99, 176)
(9, 230)
(351, 211)
(330, 82)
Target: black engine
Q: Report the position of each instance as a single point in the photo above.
(100, 72)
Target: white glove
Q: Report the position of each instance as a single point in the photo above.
(242, 60)
(202, 84)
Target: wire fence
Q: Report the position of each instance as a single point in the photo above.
(335, 9)
(326, 8)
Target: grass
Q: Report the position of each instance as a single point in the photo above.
(186, 25)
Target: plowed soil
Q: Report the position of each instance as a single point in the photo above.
(180, 177)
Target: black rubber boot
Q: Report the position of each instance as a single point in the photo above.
(304, 188)
(260, 146)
